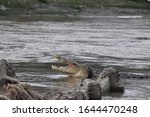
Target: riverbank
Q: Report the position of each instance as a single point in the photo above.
(64, 7)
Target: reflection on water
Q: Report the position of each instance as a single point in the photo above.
(120, 41)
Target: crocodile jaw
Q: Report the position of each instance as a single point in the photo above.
(66, 69)
(61, 69)
(73, 71)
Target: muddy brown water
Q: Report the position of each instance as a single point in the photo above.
(121, 41)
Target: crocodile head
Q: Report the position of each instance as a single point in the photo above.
(72, 68)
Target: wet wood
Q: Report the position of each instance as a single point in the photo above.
(91, 89)
(20, 92)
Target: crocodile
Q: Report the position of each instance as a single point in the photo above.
(73, 68)
(129, 75)
(76, 69)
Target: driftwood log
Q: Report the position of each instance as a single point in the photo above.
(7, 73)
(20, 92)
(110, 81)
(91, 89)
(12, 89)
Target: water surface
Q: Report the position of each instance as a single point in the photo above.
(121, 41)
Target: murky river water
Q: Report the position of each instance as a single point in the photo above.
(121, 41)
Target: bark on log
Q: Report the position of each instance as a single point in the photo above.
(110, 81)
(7, 73)
(91, 90)
(6, 69)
